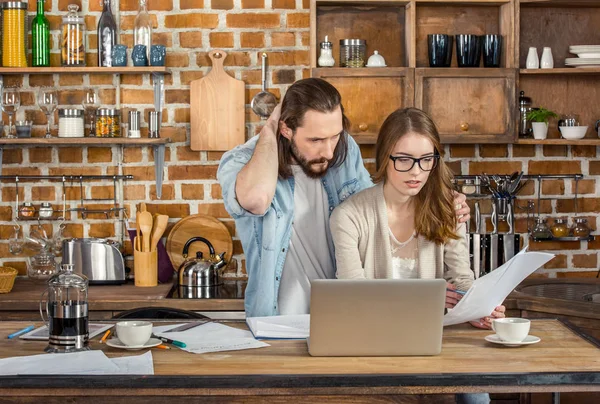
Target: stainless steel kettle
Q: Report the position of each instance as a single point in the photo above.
(201, 272)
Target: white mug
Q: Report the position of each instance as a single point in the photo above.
(134, 333)
(511, 329)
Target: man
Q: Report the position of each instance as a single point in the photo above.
(281, 187)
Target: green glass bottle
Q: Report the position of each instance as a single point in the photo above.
(40, 32)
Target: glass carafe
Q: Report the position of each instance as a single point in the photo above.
(142, 30)
(41, 266)
(72, 39)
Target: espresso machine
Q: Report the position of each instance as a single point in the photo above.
(67, 310)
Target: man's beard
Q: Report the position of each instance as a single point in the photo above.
(305, 164)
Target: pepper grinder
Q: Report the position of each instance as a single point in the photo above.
(326, 56)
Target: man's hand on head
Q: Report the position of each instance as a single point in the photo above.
(272, 124)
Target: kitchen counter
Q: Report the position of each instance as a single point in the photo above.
(561, 362)
(23, 301)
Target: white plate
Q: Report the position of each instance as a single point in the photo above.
(116, 343)
(584, 47)
(581, 61)
(587, 55)
(530, 339)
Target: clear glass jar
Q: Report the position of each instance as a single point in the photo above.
(353, 52)
(108, 123)
(541, 230)
(580, 228)
(468, 187)
(46, 210)
(326, 57)
(560, 228)
(14, 34)
(72, 39)
(27, 210)
(41, 266)
(70, 122)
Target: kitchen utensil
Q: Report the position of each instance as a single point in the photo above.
(158, 228)
(200, 271)
(376, 60)
(515, 182)
(477, 218)
(525, 104)
(198, 225)
(145, 267)
(154, 120)
(264, 102)
(217, 109)
(99, 260)
(146, 228)
(188, 326)
(143, 207)
(510, 218)
(494, 219)
(573, 132)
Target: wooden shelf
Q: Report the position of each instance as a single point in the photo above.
(561, 142)
(366, 138)
(560, 3)
(84, 141)
(359, 71)
(85, 70)
(589, 238)
(562, 70)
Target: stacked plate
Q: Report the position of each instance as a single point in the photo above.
(589, 56)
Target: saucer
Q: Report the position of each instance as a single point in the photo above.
(116, 343)
(530, 339)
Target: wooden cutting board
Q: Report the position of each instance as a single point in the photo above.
(217, 109)
(198, 225)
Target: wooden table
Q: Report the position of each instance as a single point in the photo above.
(562, 362)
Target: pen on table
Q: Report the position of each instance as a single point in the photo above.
(106, 334)
(460, 292)
(170, 341)
(161, 346)
(21, 332)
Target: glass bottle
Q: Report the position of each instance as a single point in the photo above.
(40, 38)
(541, 230)
(142, 31)
(559, 228)
(580, 228)
(107, 35)
(326, 56)
(524, 109)
(72, 40)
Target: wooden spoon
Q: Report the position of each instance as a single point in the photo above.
(158, 228)
(146, 227)
(138, 235)
(143, 206)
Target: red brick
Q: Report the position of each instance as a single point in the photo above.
(213, 209)
(216, 193)
(177, 59)
(288, 58)
(583, 151)
(182, 115)
(221, 4)
(554, 245)
(252, 39)
(175, 133)
(184, 153)
(173, 210)
(192, 191)
(559, 261)
(8, 195)
(221, 39)
(134, 192)
(583, 205)
(247, 4)
(41, 80)
(190, 4)
(454, 166)
(193, 172)
(137, 96)
(584, 186)
(214, 155)
(70, 80)
(285, 4)
(553, 187)
(460, 150)
(493, 150)
(12, 156)
(6, 213)
(298, 20)
(594, 167)
(523, 150)
(101, 230)
(577, 274)
(188, 76)
(248, 20)
(585, 260)
(305, 38)
(284, 76)
(177, 97)
(145, 173)
(192, 20)
(168, 192)
(43, 193)
(496, 167)
(128, 23)
(102, 192)
(70, 155)
(233, 59)
(132, 155)
(554, 167)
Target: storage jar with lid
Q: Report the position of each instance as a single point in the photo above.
(559, 228)
(541, 230)
(580, 228)
(70, 122)
(108, 123)
(27, 210)
(46, 210)
(326, 56)
(72, 38)
(353, 52)
(14, 34)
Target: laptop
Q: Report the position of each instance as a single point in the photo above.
(376, 317)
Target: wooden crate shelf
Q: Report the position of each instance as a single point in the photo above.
(83, 141)
(85, 70)
(562, 71)
(562, 142)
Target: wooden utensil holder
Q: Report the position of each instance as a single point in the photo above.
(145, 268)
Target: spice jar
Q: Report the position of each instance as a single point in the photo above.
(14, 37)
(27, 210)
(72, 38)
(580, 228)
(108, 123)
(541, 230)
(353, 52)
(468, 187)
(326, 56)
(559, 228)
(70, 122)
(46, 210)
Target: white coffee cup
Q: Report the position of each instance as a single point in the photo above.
(134, 333)
(511, 329)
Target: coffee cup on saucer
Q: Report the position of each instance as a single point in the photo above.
(511, 329)
(134, 333)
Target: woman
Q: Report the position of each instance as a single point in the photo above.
(405, 227)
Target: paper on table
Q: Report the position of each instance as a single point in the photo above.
(213, 337)
(135, 365)
(490, 291)
(291, 326)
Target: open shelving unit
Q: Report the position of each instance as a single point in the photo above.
(86, 70)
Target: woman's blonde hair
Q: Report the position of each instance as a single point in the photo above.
(435, 218)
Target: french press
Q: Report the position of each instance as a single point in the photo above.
(67, 309)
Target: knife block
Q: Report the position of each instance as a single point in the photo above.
(145, 268)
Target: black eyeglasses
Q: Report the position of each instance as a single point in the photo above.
(406, 163)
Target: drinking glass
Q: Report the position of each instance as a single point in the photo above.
(11, 101)
(90, 104)
(47, 101)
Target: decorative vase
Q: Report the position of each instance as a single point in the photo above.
(547, 60)
(119, 55)
(157, 55)
(533, 61)
(540, 130)
(139, 55)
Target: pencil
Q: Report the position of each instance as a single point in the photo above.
(161, 346)
(106, 334)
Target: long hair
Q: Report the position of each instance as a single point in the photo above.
(303, 96)
(435, 218)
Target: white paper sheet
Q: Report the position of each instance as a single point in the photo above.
(213, 337)
(490, 290)
(41, 333)
(77, 363)
(291, 326)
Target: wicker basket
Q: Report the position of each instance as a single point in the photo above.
(7, 279)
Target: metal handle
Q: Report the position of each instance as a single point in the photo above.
(464, 126)
(41, 311)
(494, 219)
(264, 71)
(477, 218)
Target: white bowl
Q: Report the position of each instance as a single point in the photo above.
(134, 333)
(573, 132)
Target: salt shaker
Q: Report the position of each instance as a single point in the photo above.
(326, 57)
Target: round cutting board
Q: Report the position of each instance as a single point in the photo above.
(198, 225)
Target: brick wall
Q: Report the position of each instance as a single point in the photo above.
(244, 28)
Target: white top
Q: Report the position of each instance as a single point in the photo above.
(405, 257)
(308, 256)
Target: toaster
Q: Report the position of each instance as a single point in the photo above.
(98, 259)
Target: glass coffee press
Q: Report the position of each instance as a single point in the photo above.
(67, 309)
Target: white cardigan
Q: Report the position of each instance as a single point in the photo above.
(360, 231)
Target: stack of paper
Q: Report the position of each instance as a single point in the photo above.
(490, 290)
(292, 326)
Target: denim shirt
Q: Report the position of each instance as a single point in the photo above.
(265, 238)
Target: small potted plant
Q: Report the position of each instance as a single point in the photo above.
(539, 118)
